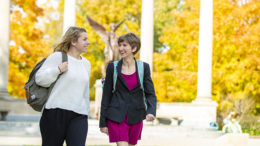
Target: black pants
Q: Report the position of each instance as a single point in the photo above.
(57, 125)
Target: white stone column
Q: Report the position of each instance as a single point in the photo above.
(204, 110)
(69, 16)
(4, 45)
(146, 52)
(5, 98)
(205, 50)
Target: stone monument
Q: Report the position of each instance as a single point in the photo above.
(109, 37)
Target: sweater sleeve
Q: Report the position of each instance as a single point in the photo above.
(49, 71)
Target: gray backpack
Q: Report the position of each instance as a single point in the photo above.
(36, 95)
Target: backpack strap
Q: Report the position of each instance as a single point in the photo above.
(64, 57)
(114, 76)
(140, 66)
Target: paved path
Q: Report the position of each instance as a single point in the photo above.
(19, 133)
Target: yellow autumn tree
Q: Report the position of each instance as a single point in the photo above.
(235, 49)
(26, 44)
(175, 63)
(236, 56)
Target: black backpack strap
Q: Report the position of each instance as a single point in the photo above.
(64, 56)
(64, 59)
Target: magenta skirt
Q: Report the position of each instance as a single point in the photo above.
(124, 131)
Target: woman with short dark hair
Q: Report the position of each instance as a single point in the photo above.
(131, 99)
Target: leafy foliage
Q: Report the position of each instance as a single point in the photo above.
(236, 57)
(40, 44)
(27, 46)
(177, 66)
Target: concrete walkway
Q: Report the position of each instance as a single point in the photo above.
(18, 133)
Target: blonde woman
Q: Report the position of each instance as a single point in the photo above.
(65, 115)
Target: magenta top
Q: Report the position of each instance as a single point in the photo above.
(131, 80)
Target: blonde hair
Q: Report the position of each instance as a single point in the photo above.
(72, 34)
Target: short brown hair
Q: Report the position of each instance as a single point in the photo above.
(132, 39)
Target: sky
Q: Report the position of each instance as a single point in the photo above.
(53, 3)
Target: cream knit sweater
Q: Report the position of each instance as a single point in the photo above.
(71, 91)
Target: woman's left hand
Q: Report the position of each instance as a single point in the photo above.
(150, 117)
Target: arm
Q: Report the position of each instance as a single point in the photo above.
(106, 96)
(49, 71)
(149, 91)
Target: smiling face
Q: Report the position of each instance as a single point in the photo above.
(82, 42)
(125, 50)
(128, 43)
